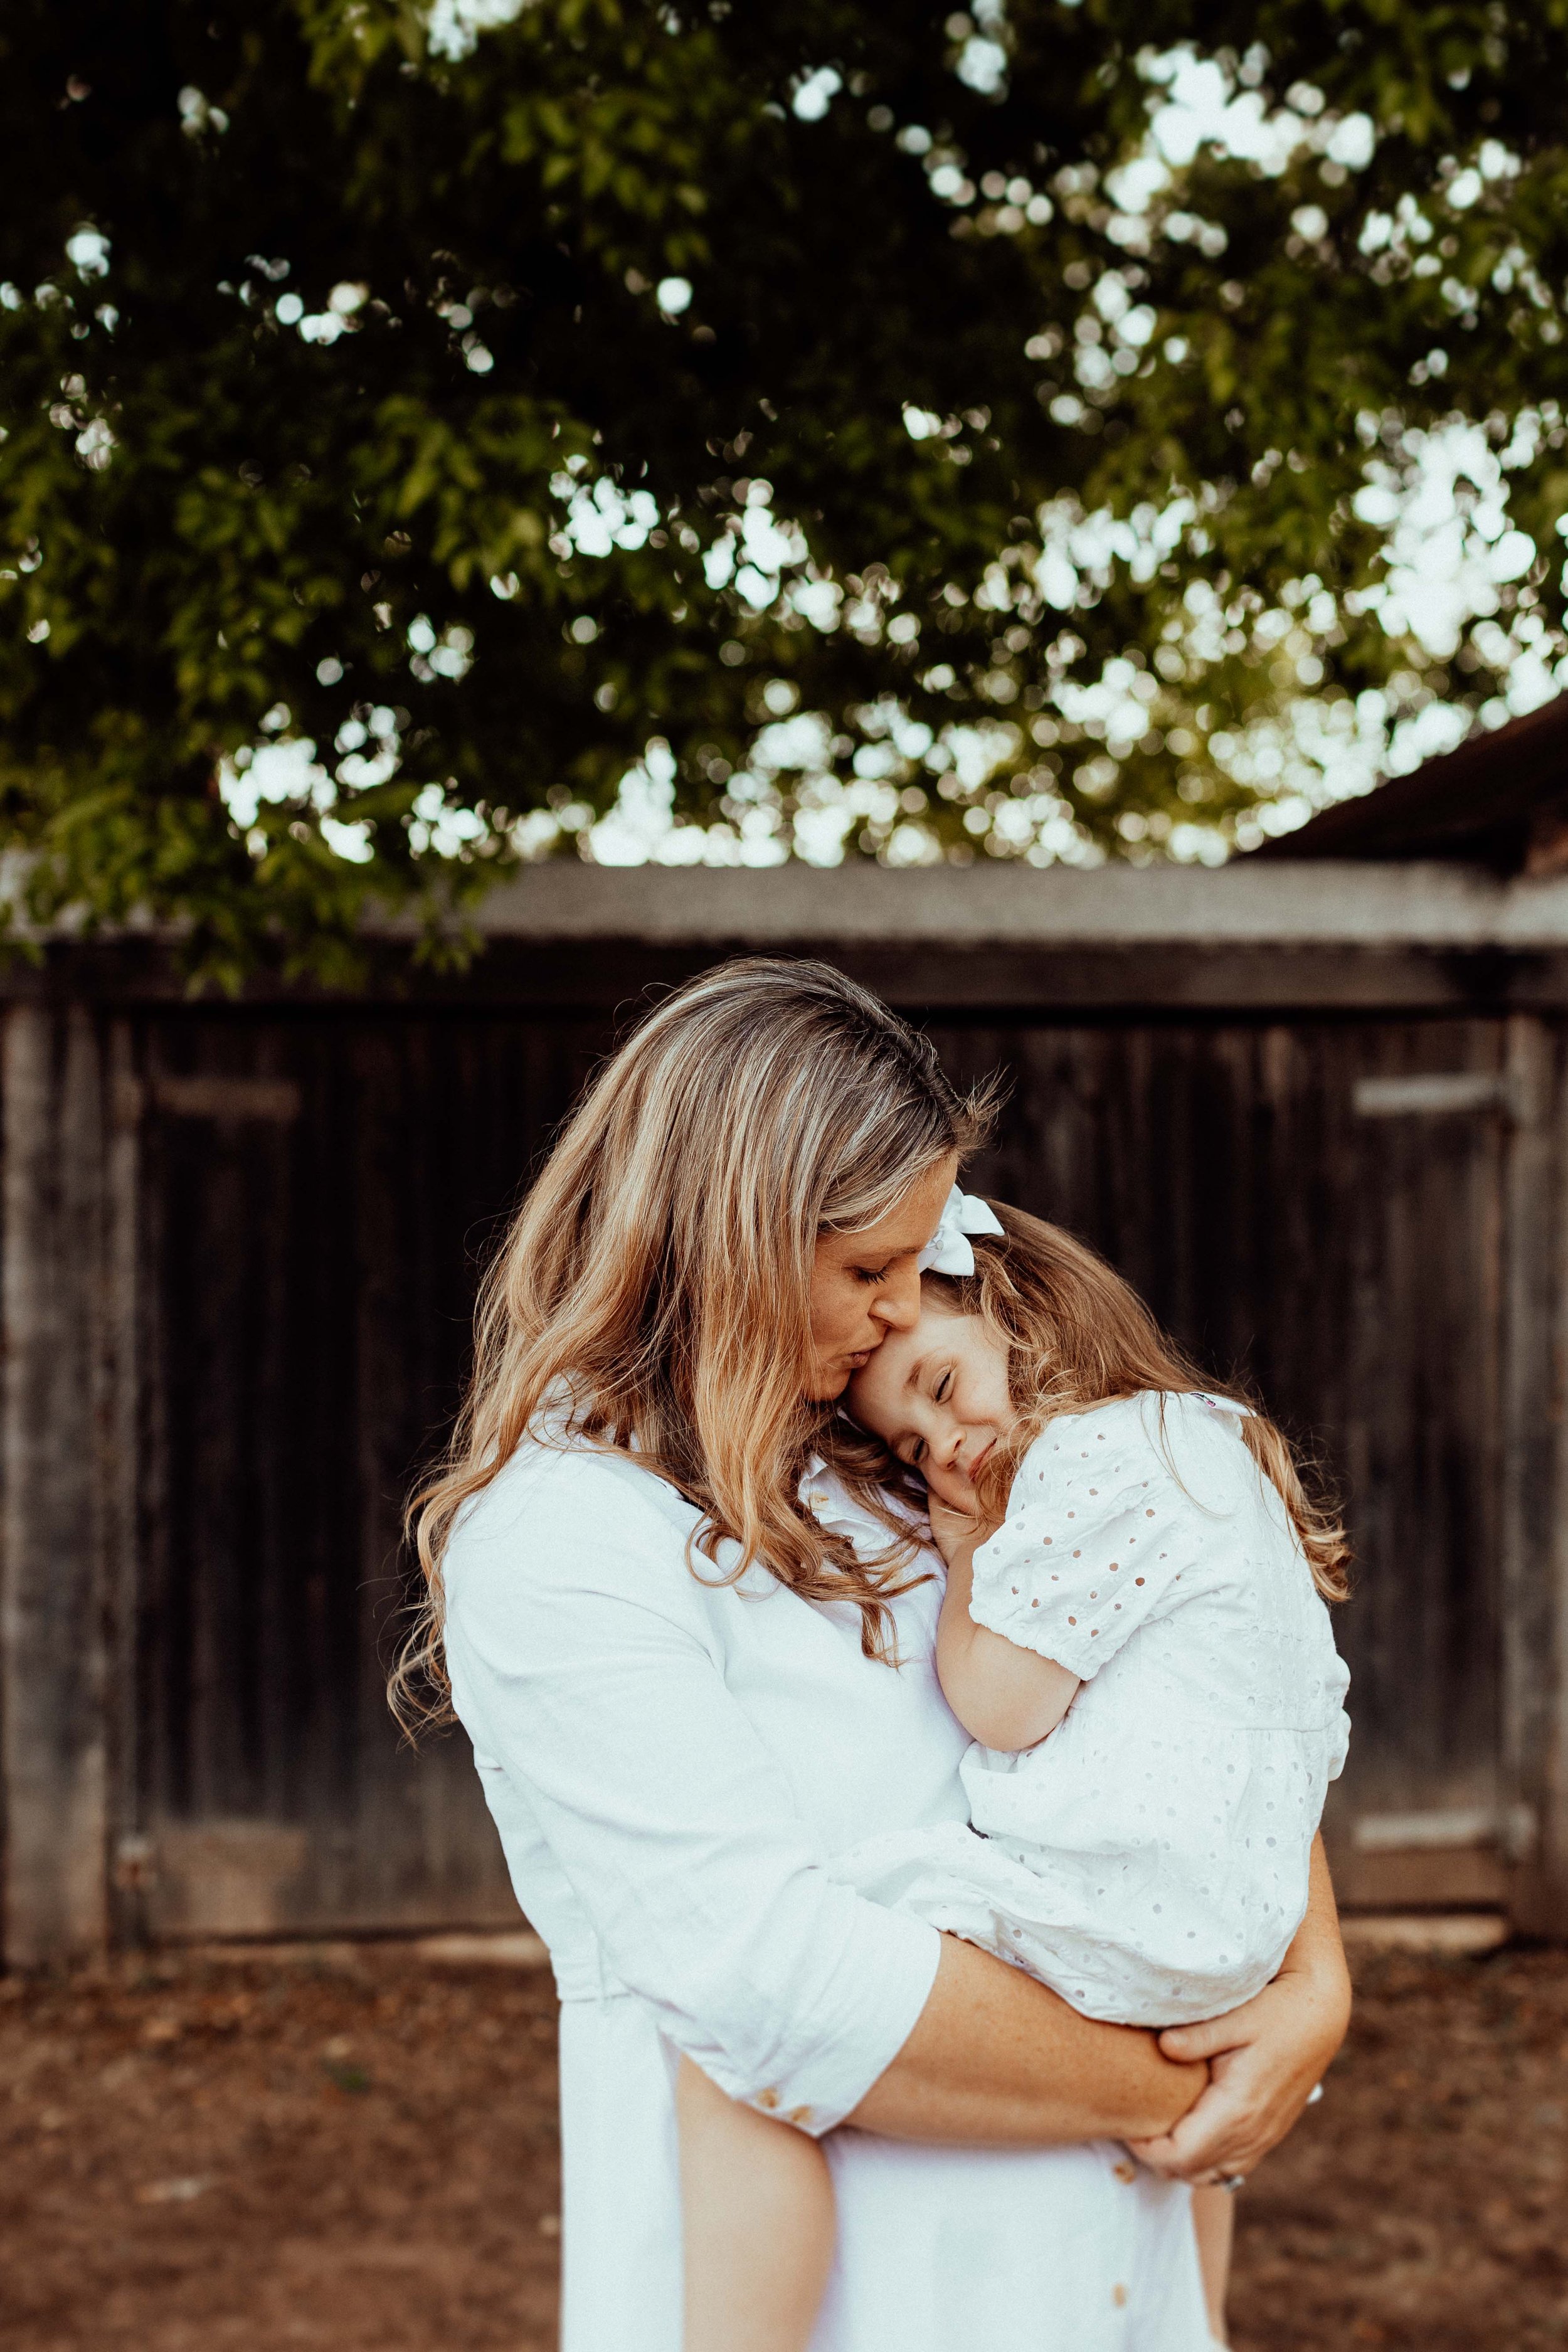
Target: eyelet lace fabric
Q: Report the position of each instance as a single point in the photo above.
(1149, 1861)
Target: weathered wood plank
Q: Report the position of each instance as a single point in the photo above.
(313, 1286)
(1534, 1471)
(120, 1412)
(53, 1663)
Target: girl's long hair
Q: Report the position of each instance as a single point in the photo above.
(652, 1294)
(1078, 1335)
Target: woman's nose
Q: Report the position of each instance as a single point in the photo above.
(898, 1303)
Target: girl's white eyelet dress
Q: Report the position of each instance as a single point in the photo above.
(1148, 1860)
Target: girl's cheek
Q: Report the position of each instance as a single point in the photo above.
(951, 1487)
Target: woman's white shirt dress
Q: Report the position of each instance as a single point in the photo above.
(669, 1762)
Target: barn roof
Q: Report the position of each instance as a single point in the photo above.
(1499, 801)
(1429, 935)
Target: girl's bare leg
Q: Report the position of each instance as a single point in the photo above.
(757, 2224)
(1214, 2224)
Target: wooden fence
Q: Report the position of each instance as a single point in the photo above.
(1317, 1115)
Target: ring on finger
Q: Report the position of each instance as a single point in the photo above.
(1231, 2180)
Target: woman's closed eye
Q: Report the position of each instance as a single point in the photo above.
(943, 1383)
(870, 1276)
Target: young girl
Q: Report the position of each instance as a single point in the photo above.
(1133, 1633)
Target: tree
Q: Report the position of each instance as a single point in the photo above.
(408, 426)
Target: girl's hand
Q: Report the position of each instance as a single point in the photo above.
(950, 1528)
(1265, 2060)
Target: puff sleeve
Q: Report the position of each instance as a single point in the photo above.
(1098, 1535)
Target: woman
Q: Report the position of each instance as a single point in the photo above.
(670, 1735)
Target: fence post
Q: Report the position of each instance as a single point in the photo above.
(53, 1422)
(1534, 1483)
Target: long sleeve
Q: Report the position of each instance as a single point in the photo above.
(586, 1666)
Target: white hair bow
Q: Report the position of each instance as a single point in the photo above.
(948, 1250)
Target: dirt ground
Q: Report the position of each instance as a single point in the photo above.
(357, 2150)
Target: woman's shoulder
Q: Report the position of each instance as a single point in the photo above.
(557, 1470)
(563, 1511)
(569, 1552)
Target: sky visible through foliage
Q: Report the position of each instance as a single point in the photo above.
(437, 437)
(1448, 548)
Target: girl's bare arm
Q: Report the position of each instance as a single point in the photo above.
(1004, 1696)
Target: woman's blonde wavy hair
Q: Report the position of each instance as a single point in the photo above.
(1078, 1335)
(653, 1292)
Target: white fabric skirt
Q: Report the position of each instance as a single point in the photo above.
(1051, 2249)
(939, 2248)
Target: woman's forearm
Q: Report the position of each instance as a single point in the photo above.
(1319, 1953)
(995, 2060)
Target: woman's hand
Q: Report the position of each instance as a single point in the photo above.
(1265, 2058)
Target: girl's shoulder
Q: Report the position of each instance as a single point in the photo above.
(1099, 1433)
(1153, 1439)
(1112, 1516)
